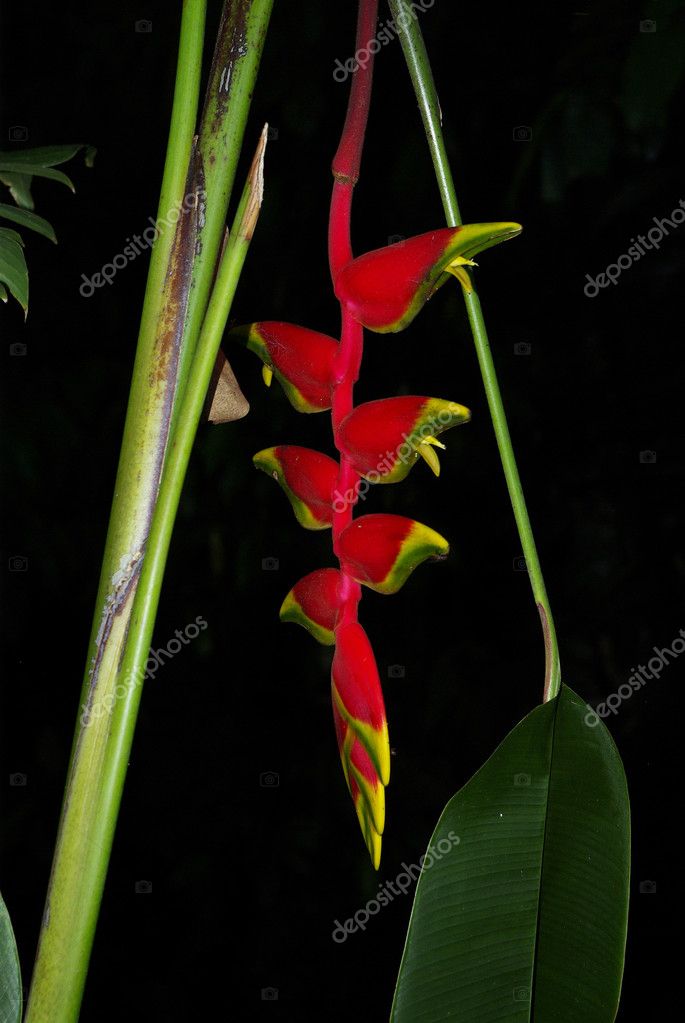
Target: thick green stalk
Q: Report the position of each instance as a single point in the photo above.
(424, 87)
(190, 411)
(237, 54)
(107, 719)
(85, 832)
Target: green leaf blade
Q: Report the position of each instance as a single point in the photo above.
(28, 219)
(19, 186)
(10, 975)
(13, 270)
(489, 937)
(594, 919)
(37, 171)
(47, 156)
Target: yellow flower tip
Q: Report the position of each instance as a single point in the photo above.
(267, 375)
(428, 454)
(434, 441)
(374, 847)
(372, 839)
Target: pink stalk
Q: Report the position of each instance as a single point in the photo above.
(348, 360)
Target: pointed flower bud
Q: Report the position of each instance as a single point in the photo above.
(386, 288)
(308, 479)
(381, 551)
(357, 695)
(362, 731)
(365, 787)
(384, 438)
(314, 603)
(300, 359)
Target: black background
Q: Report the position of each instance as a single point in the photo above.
(247, 880)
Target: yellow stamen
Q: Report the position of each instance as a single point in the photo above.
(267, 375)
(456, 269)
(429, 455)
(461, 261)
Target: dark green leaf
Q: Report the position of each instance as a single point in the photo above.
(7, 232)
(525, 918)
(28, 219)
(13, 270)
(37, 171)
(20, 188)
(10, 976)
(47, 156)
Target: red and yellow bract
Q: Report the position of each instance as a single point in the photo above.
(381, 551)
(300, 359)
(314, 603)
(385, 289)
(308, 479)
(383, 439)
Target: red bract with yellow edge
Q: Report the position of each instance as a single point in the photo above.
(358, 702)
(314, 603)
(386, 288)
(299, 358)
(307, 477)
(383, 439)
(381, 551)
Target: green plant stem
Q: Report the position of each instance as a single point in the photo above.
(178, 456)
(107, 716)
(85, 832)
(238, 51)
(97, 794)
(424, 86)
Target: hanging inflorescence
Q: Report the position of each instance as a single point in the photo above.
(377, 442)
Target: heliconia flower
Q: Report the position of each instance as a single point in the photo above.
(307, 477)
(365, 787)
(362, 729)
(314, 603)
(381, 551)
(384, 438)
(300, 359)
(386, 288)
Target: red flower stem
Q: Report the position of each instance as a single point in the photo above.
(348, 157)
(345, 168)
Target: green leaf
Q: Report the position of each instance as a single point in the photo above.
(47, 156)
(20, 188)
(28, 219)
(37, 171)
(13, 270)
(18, 167)
(10, 975)
(7, 232)
(524, 918)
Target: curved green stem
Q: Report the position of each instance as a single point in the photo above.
(426, 93)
